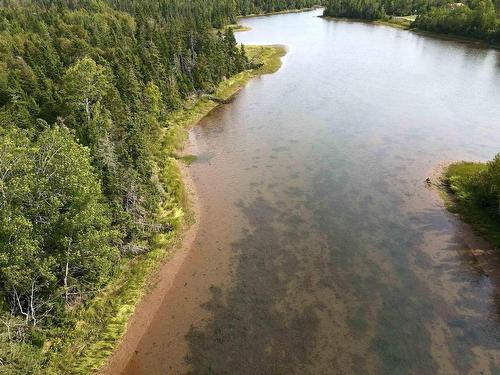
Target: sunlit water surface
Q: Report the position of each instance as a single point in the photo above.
(321, 250)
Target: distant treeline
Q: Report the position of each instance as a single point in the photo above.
(87, 176)
(246, 7)
(472, 18)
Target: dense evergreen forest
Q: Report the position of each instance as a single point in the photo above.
(86, 174)
(472, 18)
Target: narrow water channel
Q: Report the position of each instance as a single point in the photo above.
(320, 248)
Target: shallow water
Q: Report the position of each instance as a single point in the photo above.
(321, 250)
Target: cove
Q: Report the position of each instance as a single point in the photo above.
(320, 249)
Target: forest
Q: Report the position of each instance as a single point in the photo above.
(472, 18)
(88, 178)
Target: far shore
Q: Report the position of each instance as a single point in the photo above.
(301, 10)
(401, 26)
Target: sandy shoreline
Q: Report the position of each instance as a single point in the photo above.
(159, 285)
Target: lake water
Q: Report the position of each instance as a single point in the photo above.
(320, 248)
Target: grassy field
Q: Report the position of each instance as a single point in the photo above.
(458, 197)
(85, 346)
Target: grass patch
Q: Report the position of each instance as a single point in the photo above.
(94, 330)
(397, 22)
(237, 28)
(459, 197)
(268, 56)
(403, 23)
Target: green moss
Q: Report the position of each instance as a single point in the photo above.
(94, 330)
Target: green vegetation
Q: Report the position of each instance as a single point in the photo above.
(262, 59)
(473, 18)
(400, 22)
(239, 28)
(474, 193)
(94, 98)
(255, 7)
(103, 322)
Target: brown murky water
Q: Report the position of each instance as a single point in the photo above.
(320, 249)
